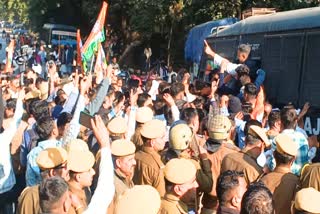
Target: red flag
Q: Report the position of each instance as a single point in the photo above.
(9, 50)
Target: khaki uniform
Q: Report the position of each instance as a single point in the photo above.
(121, 184)
(83, 195)
(210, 201)
(149, 170)
(242, 161)
(28, 202)
(283, 184)
(170, 204)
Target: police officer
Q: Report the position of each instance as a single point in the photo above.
(149, 168)
(246, 160)
(117, 128)
(180, 137)
(218, 146)
(143, 115)
(139, 199)
(81, 176)
(181, 185)
(52, 162)
(281, 182)
(310, 176)
(123, 156)
(306, 201)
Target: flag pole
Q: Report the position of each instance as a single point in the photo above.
(91, 66)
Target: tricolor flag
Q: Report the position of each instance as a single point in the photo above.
(96, 36)
(101, 63)
(9, 50)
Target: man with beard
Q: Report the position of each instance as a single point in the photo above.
(181, 185)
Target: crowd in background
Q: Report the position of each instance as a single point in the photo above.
(101, 143)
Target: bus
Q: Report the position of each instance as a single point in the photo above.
(287, 46)
(57, 34)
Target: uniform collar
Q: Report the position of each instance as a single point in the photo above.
(127, 181)
(78, 192)
(183, 208)
(246, 151)
(149, 150)
(282, 169)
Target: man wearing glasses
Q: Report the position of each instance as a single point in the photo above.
(52, 162)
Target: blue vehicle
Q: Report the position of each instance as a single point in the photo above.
(286, 44)
(56, 34)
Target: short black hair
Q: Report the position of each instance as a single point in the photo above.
(188, 114)
(227, 181)
(282, 158)
(251, 89)
(38, 108)
(242, 69)
(63, 119)
(11, 103)
(257, 200)
(288, 118)
(44, 127)
(176, 88)
(50, 192)
(273, 117)
(142, 98)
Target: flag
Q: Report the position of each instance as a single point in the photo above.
(79, 46)
(101, 63)
(9, 50)
(96, 36)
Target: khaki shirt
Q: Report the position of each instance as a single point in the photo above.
(210, 201)
(121, 184)
(28, 202)
(171, 204)
(149, 170)
(283, 184)
(83, 195)
(244, 162)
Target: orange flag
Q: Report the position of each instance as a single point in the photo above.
(96, 36)
(79, 45)
(9, 50)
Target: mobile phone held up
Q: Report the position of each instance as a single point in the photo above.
(85, 119)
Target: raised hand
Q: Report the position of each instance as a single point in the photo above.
(169, 99)
(208, 50)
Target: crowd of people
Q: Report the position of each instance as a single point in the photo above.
(77, 143)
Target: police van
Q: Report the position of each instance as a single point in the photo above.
(287, 46)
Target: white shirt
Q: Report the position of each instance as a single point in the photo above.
(103, 195)
(7, 177)
(231, 67)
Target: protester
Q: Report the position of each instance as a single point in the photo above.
(257, 199)
(86, 139)
(231, 186)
